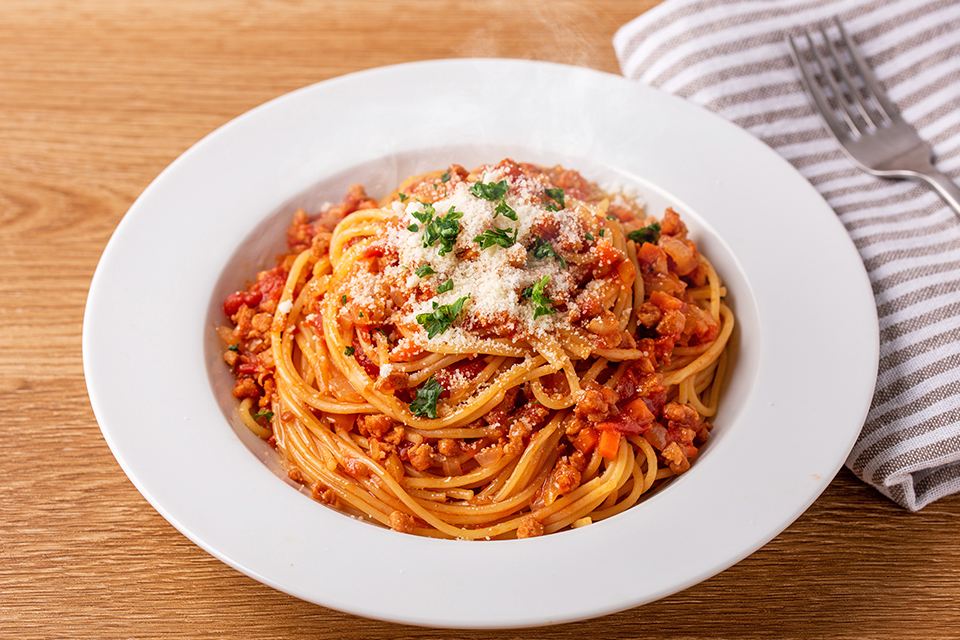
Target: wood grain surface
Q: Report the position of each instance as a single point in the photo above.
(96, 98)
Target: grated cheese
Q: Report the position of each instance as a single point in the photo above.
(493, 279)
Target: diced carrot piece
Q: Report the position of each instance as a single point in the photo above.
(609, 443)
(665, 301)
(586, 440)
(639, 411)
(649, 253)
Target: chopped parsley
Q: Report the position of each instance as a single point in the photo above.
(403, 197)
(611, 217)
(496, 236)
(348, 351)
(506, 210)
(445, 176)
(650, 233)
(441, 318)
(589, 236)
(424, 270)
(263, 414)
(384, 333)
(446, 286)
(343, 299)
(543, 304)
(601, 232)
(413, 228)
(436, 228)
(424, 405)
(234, 347)
(543, 249)
(557, 196)
(426, 215)
(491, 191)
(494, 191)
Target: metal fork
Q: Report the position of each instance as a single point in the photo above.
(870, 129)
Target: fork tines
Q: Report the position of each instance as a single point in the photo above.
(862, 105)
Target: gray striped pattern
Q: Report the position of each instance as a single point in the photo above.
(730, 57)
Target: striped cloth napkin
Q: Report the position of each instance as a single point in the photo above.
(730, 57)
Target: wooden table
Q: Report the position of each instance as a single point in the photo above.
(96, 98)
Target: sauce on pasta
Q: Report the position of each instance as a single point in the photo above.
(503, 352)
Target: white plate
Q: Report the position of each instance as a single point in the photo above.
(797, 397)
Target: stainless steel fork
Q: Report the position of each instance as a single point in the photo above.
(869, 128)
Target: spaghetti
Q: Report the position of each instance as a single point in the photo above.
(499, 353)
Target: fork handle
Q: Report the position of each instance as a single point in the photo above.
(944, 186)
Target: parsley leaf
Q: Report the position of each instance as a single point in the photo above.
(425, 404)
(413, 228)
(558, 196)
(426, 215)
(403, 197)
(348, 351)
(445, 176)
(441, 318)
(424, 270)
(650, 233)
(343, 299)
(489, 191)
(495, 236)
(263, 414)
(543, 304)
(611, 217)
(235, 347)
(589, 236)
(542, 249)
(446, 286)
(506, 210)
(442, 229)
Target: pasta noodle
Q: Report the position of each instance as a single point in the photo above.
(503, 352)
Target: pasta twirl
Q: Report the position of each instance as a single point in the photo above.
(503, 352)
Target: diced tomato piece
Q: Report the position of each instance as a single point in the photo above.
(405, 350)
(372, 370)
(374, 251)
(236, 300)
(469, 369)
(663, 347)
(270, 283)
